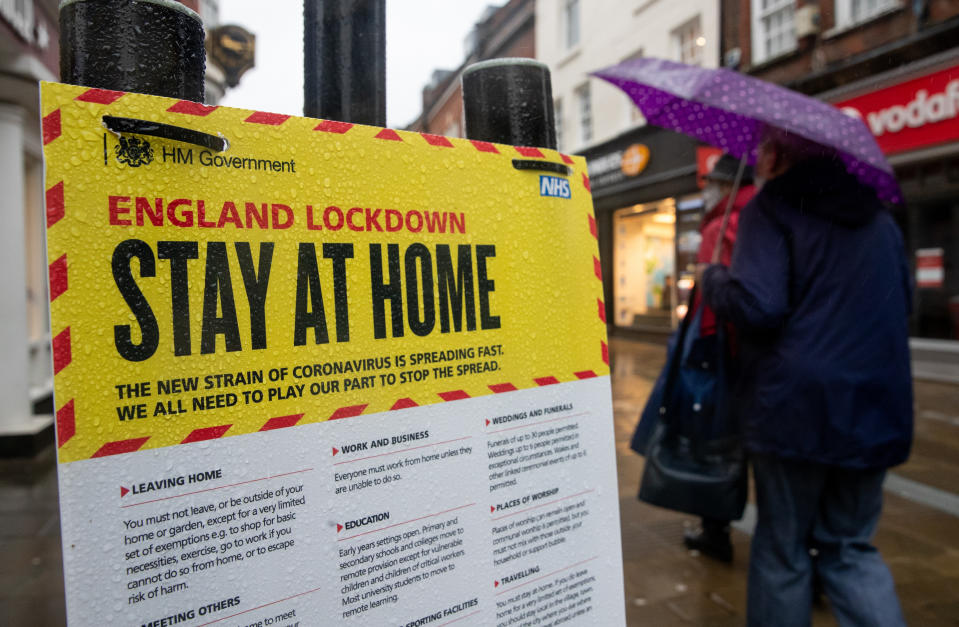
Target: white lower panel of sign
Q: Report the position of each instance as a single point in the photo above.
(499, 510)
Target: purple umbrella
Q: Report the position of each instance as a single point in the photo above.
(729, 110)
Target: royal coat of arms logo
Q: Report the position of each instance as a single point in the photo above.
(134, 152)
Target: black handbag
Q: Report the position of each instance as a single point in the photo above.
(695, 462)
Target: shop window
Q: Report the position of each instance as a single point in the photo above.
(774, 28)
(644, 260)
(585, 114)
(933, 258)
(852, 12)
(930, 224)
(570, 23)
(689, 42)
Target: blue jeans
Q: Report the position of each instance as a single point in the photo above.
(834, 510)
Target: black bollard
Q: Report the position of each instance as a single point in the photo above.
(344, 60)
(509, 101)
(146, 46)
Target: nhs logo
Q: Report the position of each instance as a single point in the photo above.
(553, 186)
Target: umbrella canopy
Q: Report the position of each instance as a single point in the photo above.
(730, 110)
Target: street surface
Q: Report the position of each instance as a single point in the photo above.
(666, 585)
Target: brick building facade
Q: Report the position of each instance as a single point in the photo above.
(507, 31)
(833, 47)
(895, 65)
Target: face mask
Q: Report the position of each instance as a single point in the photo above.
(758, 182)
(712, 194)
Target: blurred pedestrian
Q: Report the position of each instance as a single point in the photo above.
(819, 294)
(712, 537)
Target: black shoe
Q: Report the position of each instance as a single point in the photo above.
(711, 544)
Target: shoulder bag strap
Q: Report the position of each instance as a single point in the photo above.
(675, 360)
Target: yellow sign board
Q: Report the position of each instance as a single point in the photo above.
(313, 270)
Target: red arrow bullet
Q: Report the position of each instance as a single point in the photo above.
(335, 451)
(491, 509)
(495, 584)
(123, 492)
(487, 422)
(339, 527)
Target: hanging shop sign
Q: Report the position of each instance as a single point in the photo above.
(620, 165)
(917, 113)
(313, 373)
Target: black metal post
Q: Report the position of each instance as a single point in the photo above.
(509, 101)
(146, 46)
(344, 60)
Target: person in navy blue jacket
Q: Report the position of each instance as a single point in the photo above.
(820, 295)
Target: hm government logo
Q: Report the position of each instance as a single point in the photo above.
(134, 151)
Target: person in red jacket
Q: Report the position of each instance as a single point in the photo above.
(712, 539)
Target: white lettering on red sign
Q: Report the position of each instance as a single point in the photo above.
(921, 110)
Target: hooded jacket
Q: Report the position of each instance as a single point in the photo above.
(820, 295)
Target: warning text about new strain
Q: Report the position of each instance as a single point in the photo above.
(426, 288)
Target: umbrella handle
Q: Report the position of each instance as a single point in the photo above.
(717, 250)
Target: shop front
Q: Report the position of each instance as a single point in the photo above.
(648, 209)
(29, 52)
(914, 114)
(649, 206)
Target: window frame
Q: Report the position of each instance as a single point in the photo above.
(694, 28)
(844, 12)
(634, 117)
(584, 108)
(571, 23)
(759, 36)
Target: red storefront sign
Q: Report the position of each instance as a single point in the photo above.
(920, 112)
(706, 158)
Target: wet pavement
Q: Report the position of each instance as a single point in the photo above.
(31, 567)
(666, 585)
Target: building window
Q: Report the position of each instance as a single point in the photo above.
(774, 28)
(634, 117)
(209, 13)
(689, 42)
(19, 14)
(570, 23)
(852, 12)
(558, 121)
(585, 114)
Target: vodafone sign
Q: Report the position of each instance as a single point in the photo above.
(918, 113)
